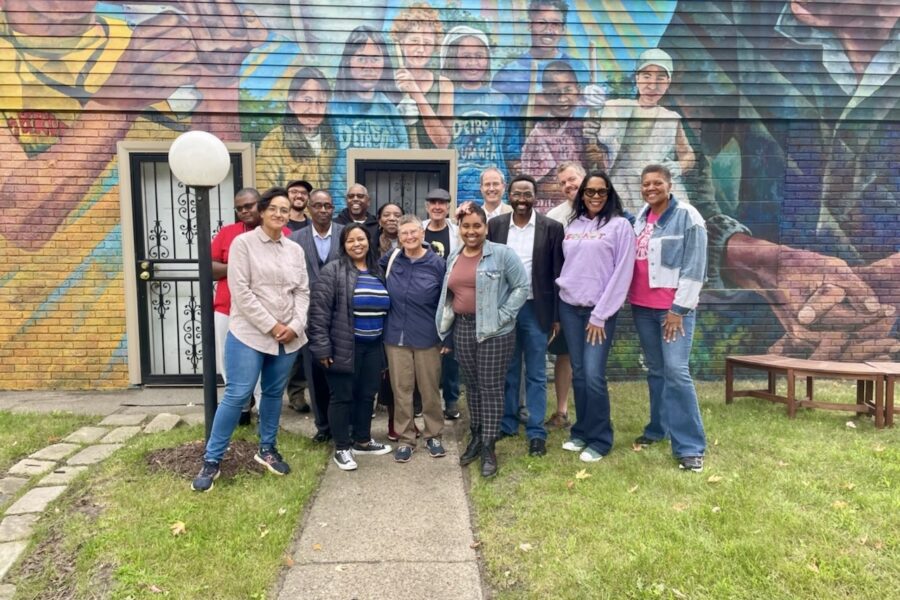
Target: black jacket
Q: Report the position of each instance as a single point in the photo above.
(546, 263)
(330, 324)
(371, 225)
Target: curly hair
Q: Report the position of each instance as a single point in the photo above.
(416, 18)
(470, 208)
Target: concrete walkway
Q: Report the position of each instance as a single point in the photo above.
(384, 531)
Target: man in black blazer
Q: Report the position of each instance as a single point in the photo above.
(537, 241)
(321, 245)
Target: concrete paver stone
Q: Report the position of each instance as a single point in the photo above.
(9, 553)
(121, 419)
(194, 418)
(17, 527)
(61, 476)
(93, 454)
(86, 435)
(35, 500)
(30, 466)
(120, 434)
(162, 422)
(7, 591)
(55, 452)
(11, 485)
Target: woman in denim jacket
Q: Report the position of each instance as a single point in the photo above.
(484, 288)
(669, 271)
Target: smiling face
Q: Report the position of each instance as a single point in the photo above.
(547, 27)
(437, 210)
(390, 215)
(411, 236)
(418, 48)
(356, 245)
(357, 201)
(366, 67)
(562, 93)
(652, 83)
(276, 216)
(492, 187)
(321, 209)
(473, 231)
(655, 190)
(472, 61)
(309, 103)
(299, 197)
(569, 181)
(595, 195)
(521, 198)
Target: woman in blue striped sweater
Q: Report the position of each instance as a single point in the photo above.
(346, 320)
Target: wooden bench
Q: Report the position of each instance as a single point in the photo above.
(870, 383)
(891, 372)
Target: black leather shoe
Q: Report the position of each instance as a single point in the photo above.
(472, 452)
(488, 461)
(321, 437)
(503, 435)
(537, 447)
(246, 418)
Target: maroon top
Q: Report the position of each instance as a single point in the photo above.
(462, 284)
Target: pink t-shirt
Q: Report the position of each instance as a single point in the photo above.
(640, 293)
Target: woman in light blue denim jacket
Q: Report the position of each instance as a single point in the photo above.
(669, 271)
(484, 288)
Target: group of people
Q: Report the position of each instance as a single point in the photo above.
(368, 305)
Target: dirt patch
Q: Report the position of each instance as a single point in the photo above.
(185, 460)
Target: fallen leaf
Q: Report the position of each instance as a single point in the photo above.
(679, 506)
(717, 509)
(849, 485)
(282, 511)
(878, 448)
(714, 479)
(570, 484)
(155, 589)
(851, 425)
(633, 489)
(526, 547)
(878, 545)
(839, 505)
(475, 545)
(863, 540)
(637, 447)
(813, 567)
(782, 464)
(678, 593)
(287, 560)
(582, 474)
(716, 442)
(323, 524)
(263, 533)
(317, 547)
(178, 528)
(340, 568)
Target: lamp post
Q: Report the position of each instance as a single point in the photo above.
(200, 160)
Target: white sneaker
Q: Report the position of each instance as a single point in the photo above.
(344, 460)
(590, 455)
(574, 445)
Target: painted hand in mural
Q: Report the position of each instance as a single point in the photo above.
(826, 308)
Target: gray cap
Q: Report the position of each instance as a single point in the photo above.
(656, 57)
(438, 194)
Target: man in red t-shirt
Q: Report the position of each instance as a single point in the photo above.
(248, 219)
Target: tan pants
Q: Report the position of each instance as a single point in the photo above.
(409, 367)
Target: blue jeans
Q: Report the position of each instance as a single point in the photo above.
(674, 410)
(531, 347)
(593, 424)
(245, 366)
(450, 380)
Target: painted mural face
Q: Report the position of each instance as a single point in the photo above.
(366, 67)
(652, 83)
(547, 27)
(569, 181)
(472, 61)
(309, 104)
(492, 187)
(418, 48)
(562, 94)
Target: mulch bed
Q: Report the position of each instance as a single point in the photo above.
(185, 460)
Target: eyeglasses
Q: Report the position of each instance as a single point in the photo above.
(599, 192)
(543, 25)
(320, 206)
(522, 195)
(281, 210)
(357, 196)
(245, 207)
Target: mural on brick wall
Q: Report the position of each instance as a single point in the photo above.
(778, 119)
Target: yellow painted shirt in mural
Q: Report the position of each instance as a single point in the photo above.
(42, 89)
(276, 164)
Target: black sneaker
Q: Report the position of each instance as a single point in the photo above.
(435, 448)
(270, 459)
(203, 482)
(537, 447)
(344, 460)
(246, 418)
(451, 414)
(643, 441)
(370, 447)
(403, 454)
(691, 463)
(321, 437)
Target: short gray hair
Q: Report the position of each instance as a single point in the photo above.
(571, 164)
(496, 170)
(410, 218)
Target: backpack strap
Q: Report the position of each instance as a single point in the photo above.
(391, 260)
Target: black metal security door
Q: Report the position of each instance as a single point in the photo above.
(405, 183)
(165, 240)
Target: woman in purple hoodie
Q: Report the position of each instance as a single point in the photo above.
(599, 254)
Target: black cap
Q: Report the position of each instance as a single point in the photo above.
(438, 194)
(302, 183)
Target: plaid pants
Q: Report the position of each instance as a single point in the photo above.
(484, 367)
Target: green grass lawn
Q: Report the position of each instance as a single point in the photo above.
(24, 434)
(110, 535)
(803, 508)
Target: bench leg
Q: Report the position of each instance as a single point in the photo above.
(791, 401)
(772, 382)
(889, 402)
(729, 382)
(809, 388)
(879, 403)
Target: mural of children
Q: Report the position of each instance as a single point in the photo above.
(303, 146)
(627, 135)
(363, 113)
(429, 105)
(558, 139)
(481, 135)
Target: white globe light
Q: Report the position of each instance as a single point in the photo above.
(199, 159)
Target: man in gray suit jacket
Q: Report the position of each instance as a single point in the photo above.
(321, 245)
